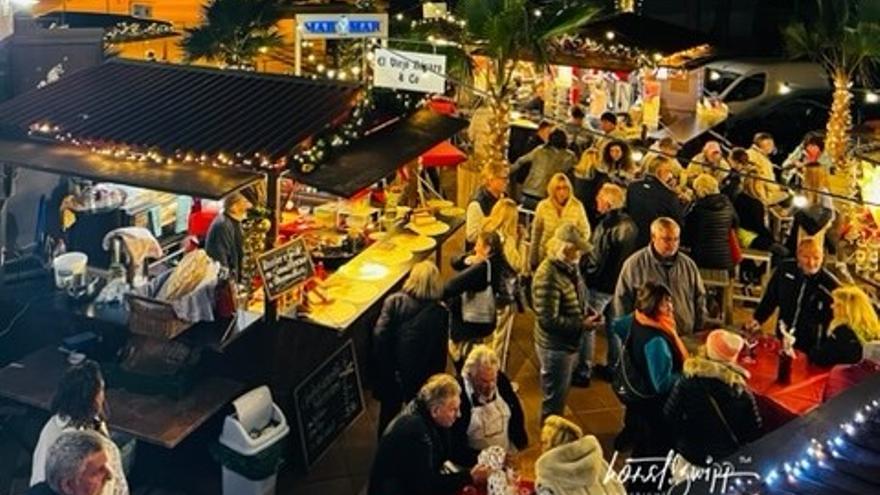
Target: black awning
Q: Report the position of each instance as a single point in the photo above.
(379, 154)
(173, 108)
(178, 178)
(117, 27)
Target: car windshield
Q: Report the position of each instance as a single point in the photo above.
(717, 81)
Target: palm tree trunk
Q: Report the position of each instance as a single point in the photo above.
(839, 122)
(496, 153)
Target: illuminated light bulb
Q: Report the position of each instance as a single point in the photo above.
(800, 201)
(784, 88)
(320, 68)
(849, 429)
(311, 57)
(263, 49)
(537, 12)
(658, 56)
(714, 76)
(859, 417)
(637, 155)
(342, 75)
(356, 70)
(399, 17)
(872, 97)
(331, 73)
(609, 35)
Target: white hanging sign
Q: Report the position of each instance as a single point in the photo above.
(342, 26)
(411, 71)
(434, 10)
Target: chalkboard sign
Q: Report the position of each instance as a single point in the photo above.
(328, 401)
(284, 267)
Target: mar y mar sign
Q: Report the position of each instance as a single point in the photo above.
(339, 26)
(284, 267)
(411, 71)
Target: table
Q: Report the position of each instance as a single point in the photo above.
(781, 403)
(156, 419)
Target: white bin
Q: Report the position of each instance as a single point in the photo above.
(257, 425)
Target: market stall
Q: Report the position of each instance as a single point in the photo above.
(195, 135)
(642, 69)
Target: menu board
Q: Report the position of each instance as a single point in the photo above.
(328, 401)
(284, 267)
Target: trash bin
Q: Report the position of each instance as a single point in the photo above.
(250, 446)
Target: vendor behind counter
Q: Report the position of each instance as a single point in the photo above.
(225, 240)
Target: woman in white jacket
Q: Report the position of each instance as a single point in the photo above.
(572, 464)
(79, 405)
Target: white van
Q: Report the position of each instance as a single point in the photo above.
(748, 83)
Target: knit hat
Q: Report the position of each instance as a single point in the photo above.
(722, 345)
(568, 232)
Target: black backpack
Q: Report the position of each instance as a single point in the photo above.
(629, 384)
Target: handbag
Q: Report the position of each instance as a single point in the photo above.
(628, 384)
(479, 307)
(721, 416)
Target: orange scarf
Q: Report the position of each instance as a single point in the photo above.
(666, 325)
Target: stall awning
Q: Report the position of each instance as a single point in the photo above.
(173, 108)
(117, 27)
(629, 36)
(202, 181)
(381, 153)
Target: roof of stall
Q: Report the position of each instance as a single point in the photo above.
(625, 41)
(117, 27)
(173, 108)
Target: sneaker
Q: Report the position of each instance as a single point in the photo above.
(581, 377)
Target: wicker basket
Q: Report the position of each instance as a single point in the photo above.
(154, 318)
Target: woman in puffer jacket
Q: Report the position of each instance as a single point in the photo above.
(571, 463)
(560, 205)
(711, 410)
(708, 224)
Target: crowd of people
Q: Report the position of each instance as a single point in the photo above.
(592, 240)
(589, 239)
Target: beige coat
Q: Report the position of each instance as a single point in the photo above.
(547, 218)
(768, 192)
(576, 468)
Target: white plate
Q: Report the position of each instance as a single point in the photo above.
(430, 229)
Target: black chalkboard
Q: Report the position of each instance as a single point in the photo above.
(284, 267)
(328, 401)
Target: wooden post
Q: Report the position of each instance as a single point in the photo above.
(273, 190)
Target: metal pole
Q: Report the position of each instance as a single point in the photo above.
(297, 49)
(273, 193)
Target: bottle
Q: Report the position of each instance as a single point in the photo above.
(783, 371)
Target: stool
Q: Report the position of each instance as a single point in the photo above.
(717, 281)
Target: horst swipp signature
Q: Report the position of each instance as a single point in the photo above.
(674, 473)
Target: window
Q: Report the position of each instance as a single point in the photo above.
(142, 10)
(716, 81)
(748, 88)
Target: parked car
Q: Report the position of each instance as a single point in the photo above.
(750, 83)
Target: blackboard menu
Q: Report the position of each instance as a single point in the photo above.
(284, 267)
(328, 401)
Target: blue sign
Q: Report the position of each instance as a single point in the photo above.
(343, 26)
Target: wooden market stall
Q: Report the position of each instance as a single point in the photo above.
(178, 137)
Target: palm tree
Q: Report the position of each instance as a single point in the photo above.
(234, 32)
(504, 32)
(844, 37)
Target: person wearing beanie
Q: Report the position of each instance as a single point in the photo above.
(711, 409)
(559, 298)
(571, 463)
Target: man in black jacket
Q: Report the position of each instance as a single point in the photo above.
(652, 197)
(802, 291)
(75, 465)
(491, 413)
(412, 455)
(613, 240)
(225, 240)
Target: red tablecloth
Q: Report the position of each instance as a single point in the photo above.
(525, 487)
(782, 402)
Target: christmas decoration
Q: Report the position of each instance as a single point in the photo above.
(255, 227)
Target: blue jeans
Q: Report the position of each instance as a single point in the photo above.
(556, 369)
(600, 302)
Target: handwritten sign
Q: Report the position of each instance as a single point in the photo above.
(328, 401)
(284, 267)
(411, 71)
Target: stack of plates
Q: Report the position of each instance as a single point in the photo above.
(430, 229)
(364, 270)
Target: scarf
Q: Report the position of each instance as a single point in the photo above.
(665, 325)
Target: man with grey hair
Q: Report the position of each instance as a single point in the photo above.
(414, 452)
(559, 297)
(75, 465)
(661, 262)
(491, 413)
(225, 240)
